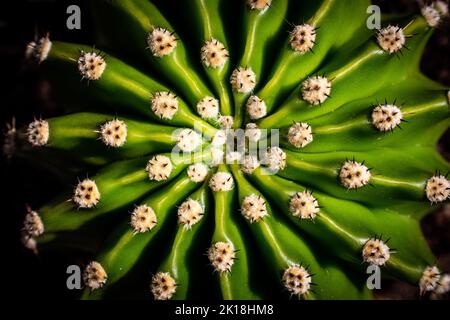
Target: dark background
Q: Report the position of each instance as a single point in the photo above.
(25, 94)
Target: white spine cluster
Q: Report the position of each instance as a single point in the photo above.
(188, 140)
(303, 38)
(143, 219)
(161, 42)
(164, 104)
(275, 158)
(297, 280)
(438, 188)
(300, 134)
(376, 252)
(391, 39)
(303, 205)
(189, 213)
(221, 256)
(249, 164)
(252, 132)
(197, 172)
(208, 108)
(386, 117)
(163, 286)
(38, 133)
(114, 133)
(159, 168)
(259, 4)
(434, 12)
(441, 6)
(32, 224)
(444, 285)
(28, 241)
(226, 122)
(256, 108)
(86, 194)
(354, 174)
(430, 279)
(94, 276)
(38, 50)
(221, 182)
(91, 65)
(214, 54)
(254, 208)
(243, 80)
(316, 89)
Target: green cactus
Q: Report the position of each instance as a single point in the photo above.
(355, 170)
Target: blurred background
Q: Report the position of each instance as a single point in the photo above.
(26, 94)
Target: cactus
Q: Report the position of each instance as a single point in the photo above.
(355, 170)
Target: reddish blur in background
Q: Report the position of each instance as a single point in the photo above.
(25, 94)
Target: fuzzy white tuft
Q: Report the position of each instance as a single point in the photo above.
(38, 133)
(252, 132)
(297, 280)
(91, 65)
(254, 208)
(28, 241)
(214, 54)
(376, 252)
(94, 276)
(159, 168)
(386, 117)
(438, 188)
(221, 182)
(197, 172)
(208, 108)
(143, 219)
(441, 6)
(38, 50)
(275, 158)
(32, 224)
(354, 174)
(163, 286)
(189, 213)
(300, 134)
(434, 12)
(431, 15)
(391, 39)
(164, 104)
(303, 38)
(250, 164)
(316, 89)
(430, 279)
(243, 80)
(256, 108)
(444, 285)
(188, 140)
(226, 122)
(86, 194)
(114, 133)
(161, 42)
(259, 4)
(303, 205)
(222, 255)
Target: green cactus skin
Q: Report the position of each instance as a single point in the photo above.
(357, 168)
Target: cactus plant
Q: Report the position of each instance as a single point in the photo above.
(354, 172)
